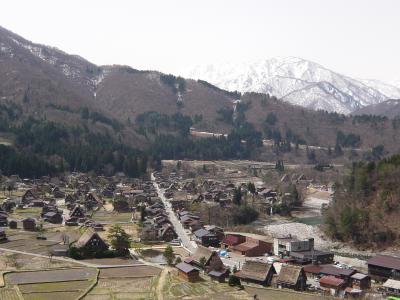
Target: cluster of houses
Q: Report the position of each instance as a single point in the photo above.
(157, 226)
(185, 192)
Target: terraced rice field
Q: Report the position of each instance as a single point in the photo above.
(8, 294)
(130, 272)
(125, 283)
(50, 276)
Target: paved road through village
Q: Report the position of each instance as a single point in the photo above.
(180, 231)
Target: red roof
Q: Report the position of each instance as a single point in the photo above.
(232, 240)
(331, 281)
(245, 246)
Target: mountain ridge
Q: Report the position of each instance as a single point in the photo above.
(289, 77)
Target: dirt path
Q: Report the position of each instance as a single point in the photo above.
(161, 284)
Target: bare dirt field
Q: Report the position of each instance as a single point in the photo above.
(281, 294)
(112, 261)
(50, 276)
(8, 294)
(129, 272)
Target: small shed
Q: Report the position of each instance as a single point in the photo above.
(188, 272)
(29, 224)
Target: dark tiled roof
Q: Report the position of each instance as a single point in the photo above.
(385, 261)
(184, 267)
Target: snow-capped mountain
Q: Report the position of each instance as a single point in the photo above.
(391, 90)
(297, 81)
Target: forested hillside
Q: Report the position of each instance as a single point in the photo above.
(366, 205)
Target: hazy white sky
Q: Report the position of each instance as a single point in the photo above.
(360, 38)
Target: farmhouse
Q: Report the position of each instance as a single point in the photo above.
(13, 224)
(211, 259)
(53, 217)
(329, 270)
(28, 197)
(392, 287)
(383, 267)
(360, 281)
(3, 236)
(29, 224)
(292, 277)
(206, 238)
(3, 220)
(252, 247)
(256, 272)
(332, 285)
(91, 241)
(77, 212)
(188, 272)
(232, 240)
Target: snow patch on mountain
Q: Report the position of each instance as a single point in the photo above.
(295, 80)
(391, 90)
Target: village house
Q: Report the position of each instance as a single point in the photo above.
(3, 219)
(252, 247)
(188, 272)
(53, 217)
(92, 201)
(78, 212)
(13, 224)
(91, 241)
(70, 198)
(231, 240)
(57, 193)
(29, 224)
(3, 236)
(256, 272)
(332, 285)
(383, 267)
(167, 233)
(360, 281)
(392, 287)
(206, 238)
(292, 277)
(313, 256)
(329, 270)
(210, 262)
(28, 197)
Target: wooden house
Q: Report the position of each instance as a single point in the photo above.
(360, 281)
(256, 272)
(91, 241)
(28, 197)
(383, 267)
(3, 236)
(3, 220)
(253, 247)
(167, 233)
(292, 277)
(53, 217)
(29, 224)
(13, 224)
(206, 238)
(188, 272)
(231, 240)
(332, 285)
(392, 287)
